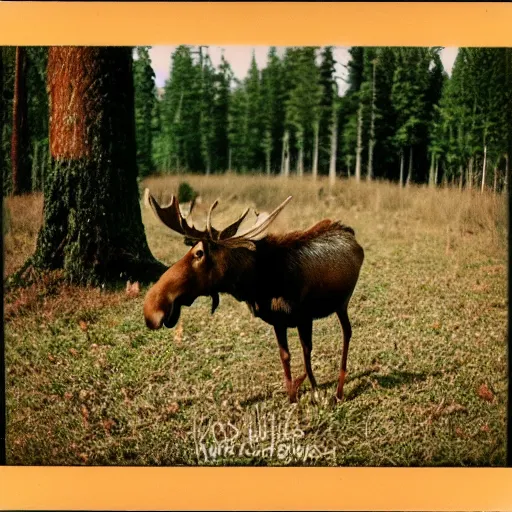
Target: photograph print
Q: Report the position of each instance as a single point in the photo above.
(255, 256)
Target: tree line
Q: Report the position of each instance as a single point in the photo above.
(82, 123)
(401, 117)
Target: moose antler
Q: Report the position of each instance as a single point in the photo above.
(173, 218)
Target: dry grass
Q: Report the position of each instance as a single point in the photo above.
(88, 384)
(21, 225)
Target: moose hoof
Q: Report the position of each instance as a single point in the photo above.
(335, 400)
(292, 398)
(293, 388)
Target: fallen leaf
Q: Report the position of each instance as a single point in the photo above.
(83, 325)
(68, 395)
(485, 393)
(173, 408)
(73, 351)
(84, 457)
(107, 425)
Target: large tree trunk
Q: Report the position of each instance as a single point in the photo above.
(334, 147)
(19, 141)
(484, 165)
(359, 148)
(92, 226)
(316, 129)
(371, 145)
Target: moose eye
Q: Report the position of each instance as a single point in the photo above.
(199, 254)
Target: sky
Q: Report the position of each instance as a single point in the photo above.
(239, 58)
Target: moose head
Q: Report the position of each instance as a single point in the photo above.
(205, 269)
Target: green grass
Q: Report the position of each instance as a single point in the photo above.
(88, 383)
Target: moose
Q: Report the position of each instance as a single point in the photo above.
(287, 280)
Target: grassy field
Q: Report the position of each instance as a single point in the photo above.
(88, 383)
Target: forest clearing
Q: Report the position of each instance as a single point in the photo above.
(88, 383)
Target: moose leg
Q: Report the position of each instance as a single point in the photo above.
(291, 385)
(347, 334)
(306, 338)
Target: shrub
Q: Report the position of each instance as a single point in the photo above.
(186, 192)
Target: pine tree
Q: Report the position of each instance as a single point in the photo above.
(145, 99)
(222, 83)
(271, 91)
(7, 92)
(92, 227)
(21, 171)
(328, 105)
(181, 112)
(304, 105)
(254, 117)
(207, 111)
(238, 128)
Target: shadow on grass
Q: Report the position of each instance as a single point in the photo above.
(260, 397)
(388, 381)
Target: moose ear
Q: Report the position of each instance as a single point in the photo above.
(215, 302)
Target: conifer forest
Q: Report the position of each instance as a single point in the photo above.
(400, 119)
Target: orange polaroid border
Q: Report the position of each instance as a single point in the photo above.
(202, 488)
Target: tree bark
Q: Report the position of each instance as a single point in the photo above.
(19, 141)
(359, 148)
(431, 171)
(495, 178)
(484, 165)
(409, 171)
(316, 129)
(505, 183)
(92, 226)
(470, 174)
(436, 172)
(300, 162)
(401, 168)
(286, 154)
(35, 167)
